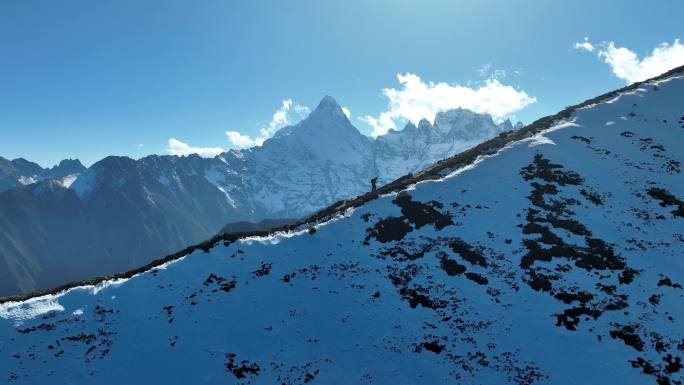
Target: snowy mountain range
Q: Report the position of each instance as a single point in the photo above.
(416, 147)
(548, 255)
(56, 232)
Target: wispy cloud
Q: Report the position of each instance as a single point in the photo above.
(487, 71)
(484, 70)
(176, 147)
(417, 100)
(284, 116)
(626, 64)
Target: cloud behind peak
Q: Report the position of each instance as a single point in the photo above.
(417, 100)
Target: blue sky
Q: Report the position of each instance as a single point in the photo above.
(88, 79)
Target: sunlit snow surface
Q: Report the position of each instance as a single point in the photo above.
(544, 264)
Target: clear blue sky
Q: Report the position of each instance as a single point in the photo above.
(88, 79)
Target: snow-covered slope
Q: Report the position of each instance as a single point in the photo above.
(558, 260)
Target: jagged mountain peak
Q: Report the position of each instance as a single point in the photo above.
(70, 163)
(326, 119)
(424, 124)
(66, 167)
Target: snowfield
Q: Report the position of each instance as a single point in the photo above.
(559, 260)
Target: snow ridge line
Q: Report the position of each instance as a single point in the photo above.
(436, 171)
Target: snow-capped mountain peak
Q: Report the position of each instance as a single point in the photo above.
(328, 119)
(326, 134)
(325, 123)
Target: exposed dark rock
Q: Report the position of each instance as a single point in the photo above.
(627, 333)
(433, 346)
(452, 267)
(264, 270)
(582, 138)
(220, 283)
(568, 298)
(543, 169)
(627, 276)
(570, 318)
(388, 229)
(421, 214)
(417, 297)
(667, 199)
(468, 252)
(477, 278)
(539, 281)
(666, 281)
(592, 197)
(241, 369)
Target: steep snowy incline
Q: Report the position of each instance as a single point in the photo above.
(557, 260)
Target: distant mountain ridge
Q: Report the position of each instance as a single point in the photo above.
(415, 147)
(21, 172)
(158, 204)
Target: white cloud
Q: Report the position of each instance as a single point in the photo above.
(279, 120)
(284, 116)
(176, 147)
(239, 140)
(585, 45)
(346, 112)
(418, 100)
(627, 66)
